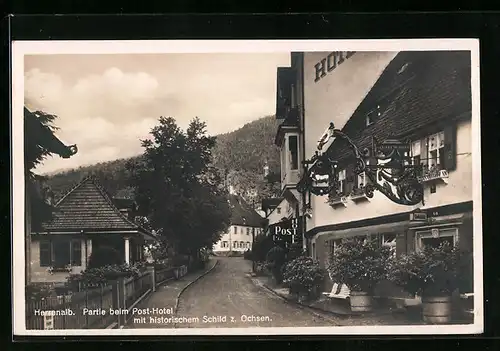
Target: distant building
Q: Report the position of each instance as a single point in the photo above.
(246, 223)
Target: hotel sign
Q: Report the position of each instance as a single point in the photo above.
(288, 231)
(330, 62)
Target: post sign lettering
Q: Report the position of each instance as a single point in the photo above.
(287, 231)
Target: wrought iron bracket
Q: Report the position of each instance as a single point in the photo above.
(386, 164)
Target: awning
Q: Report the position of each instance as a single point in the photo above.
(395, 227)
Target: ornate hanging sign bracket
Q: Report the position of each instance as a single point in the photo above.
(386, 164)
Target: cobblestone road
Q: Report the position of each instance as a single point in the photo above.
(226, 297)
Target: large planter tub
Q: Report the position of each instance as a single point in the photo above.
(437, 309)
(361, 301)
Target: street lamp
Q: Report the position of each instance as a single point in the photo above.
(387, 162)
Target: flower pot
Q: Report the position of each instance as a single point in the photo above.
(437, 309)
(360, 301)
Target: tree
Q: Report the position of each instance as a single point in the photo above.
(178, 191)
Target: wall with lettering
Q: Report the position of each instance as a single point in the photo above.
(334, 86)
(334, 97)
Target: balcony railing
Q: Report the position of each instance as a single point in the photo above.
(433, 173)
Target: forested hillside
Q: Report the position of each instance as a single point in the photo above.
(242, 154)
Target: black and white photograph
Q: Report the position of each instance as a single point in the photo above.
(246, 187)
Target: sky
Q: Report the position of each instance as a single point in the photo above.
(107, 103)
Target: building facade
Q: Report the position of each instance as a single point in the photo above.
(246, 223)
(421, 97)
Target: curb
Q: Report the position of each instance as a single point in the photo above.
(191, 283)
(331, 313)
(299, 305)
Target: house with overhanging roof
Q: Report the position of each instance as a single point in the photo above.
(246, 223)
(85, 219)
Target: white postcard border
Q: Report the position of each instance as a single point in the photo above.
(22, 48)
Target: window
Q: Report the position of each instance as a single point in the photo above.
(60, 253)
(253, 231)
(436, 236)
(224, 244)
(342, 182)
(248, 244)
(389, 240)
(248, 231)
(334, 245)
(45, 253)
(242, 244)
(235, 244)
(242, 230)
(278, 210)
(235, 230)
(435, 146)
(294, 152)
(76, 253)
(370, 118)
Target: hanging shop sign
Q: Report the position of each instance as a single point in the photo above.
(288, 231)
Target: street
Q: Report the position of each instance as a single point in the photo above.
(226, 297)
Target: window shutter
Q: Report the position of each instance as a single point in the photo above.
(45, 253)
(450, 148)
(423, 152)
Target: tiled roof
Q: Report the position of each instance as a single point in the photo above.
(416, 90)
(271, 203)
(88, 207)
(242, 213)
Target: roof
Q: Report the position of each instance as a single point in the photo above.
(416, 90)
(88, 207)
(45, 137)
(242, 213)
(271, 203)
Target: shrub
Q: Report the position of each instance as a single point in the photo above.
(261, 246)
(93, 277)
(360, 264)
(276, 258)
(303, 275)
(433, 271)
(104, 256)
(39, 291)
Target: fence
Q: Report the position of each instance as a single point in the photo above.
(99, 307)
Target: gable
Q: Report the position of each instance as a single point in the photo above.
(87, 207)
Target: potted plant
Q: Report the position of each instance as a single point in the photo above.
(303, 276)
(360, 264)
(433, 274)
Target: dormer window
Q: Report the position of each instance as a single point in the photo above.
(373, 115)
(278, 210)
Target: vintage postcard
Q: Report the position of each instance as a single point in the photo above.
(327, 187)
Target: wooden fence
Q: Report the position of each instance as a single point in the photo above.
(96, 308)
